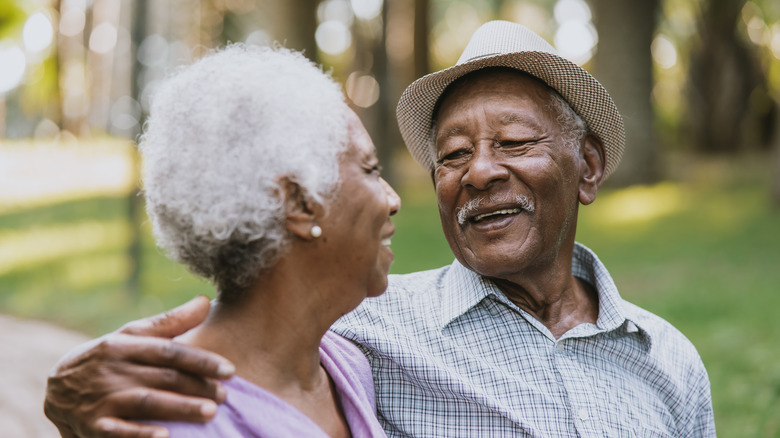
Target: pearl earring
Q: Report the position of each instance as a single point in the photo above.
(316, 231)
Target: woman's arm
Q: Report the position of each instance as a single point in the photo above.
(137, 372)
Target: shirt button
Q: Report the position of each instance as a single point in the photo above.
(583, 413)
(559, 346)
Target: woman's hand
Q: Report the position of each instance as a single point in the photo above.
(137, 372)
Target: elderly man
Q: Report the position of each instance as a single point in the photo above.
(524, 334)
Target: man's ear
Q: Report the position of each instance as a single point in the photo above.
(591, 168)
(299, 209)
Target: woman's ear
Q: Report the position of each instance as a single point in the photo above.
(591, 168)
(300, 211)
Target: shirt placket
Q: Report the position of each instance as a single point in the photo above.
(579, 388)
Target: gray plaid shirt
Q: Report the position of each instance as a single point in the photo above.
(452, 356)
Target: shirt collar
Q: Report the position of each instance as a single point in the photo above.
(614, 313)
(464, 289)
(587, 266)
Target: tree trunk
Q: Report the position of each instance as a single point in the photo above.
(421, 28)
(71, 53)
(101, 67)
(775, 169)
(134, 200)
(723, 75)
(384, 109)
(623, 64)
(398, 57)
(292, 23)
(371, 58)
(406, 59)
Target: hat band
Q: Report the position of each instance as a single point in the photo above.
(483, 56)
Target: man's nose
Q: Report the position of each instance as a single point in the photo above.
(393, 200)
(484, 168)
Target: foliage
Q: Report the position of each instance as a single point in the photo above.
(11, 18)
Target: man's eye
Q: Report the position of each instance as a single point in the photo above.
(514, 143)
(452, 156)
(377, 170)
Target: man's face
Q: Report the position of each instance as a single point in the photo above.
(502, 166)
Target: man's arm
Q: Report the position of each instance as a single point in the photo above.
(137, 372)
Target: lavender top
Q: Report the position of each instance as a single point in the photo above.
(251, 411)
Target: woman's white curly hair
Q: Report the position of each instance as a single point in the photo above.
(220, 134)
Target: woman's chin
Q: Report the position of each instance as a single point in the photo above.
(379, 290)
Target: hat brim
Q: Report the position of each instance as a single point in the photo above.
(583, 92)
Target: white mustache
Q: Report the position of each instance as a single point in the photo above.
(468, 209)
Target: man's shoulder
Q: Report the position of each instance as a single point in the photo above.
(411, 300)
(684, 374)
(647, 320)
(667, 341)
(415, 282)
(404, 289)
(343, 354)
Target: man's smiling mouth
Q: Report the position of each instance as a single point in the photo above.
(480, 217)
(477, 209)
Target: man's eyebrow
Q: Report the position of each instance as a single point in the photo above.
(511, 118)
(503, 119)
(450, 132)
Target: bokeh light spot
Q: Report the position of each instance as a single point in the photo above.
(576, 36)
(13, 64)
(335, 10)
(333, 37)
(774, 43)
(663, 52)
(103, 38)
(37, 33)
(572, 10)
(362, 89)
(259, 38)
(367, 9)
(125, 113)
(72, 22)
(153, 51)
(575, 41)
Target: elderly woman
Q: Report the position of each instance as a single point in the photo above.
(259, 178)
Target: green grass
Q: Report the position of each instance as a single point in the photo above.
(69, 265)
(704, 255)
(710, 266)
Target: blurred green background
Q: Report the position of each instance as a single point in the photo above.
(689, 226)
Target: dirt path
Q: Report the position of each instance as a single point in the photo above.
(28, 350)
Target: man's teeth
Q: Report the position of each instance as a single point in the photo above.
(479, 217)
(386, 242)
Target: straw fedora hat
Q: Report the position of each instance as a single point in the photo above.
(505, 44)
